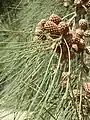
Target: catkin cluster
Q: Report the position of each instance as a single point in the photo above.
(72, 41)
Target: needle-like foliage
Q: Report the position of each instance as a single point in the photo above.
(31, 74)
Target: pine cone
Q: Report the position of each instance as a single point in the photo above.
(41, 24)
(55, 18)
(83, 24)
(80, 44)
(51, 28)
(63, 28)
(79, 33)
(40, 27)
(38, 31)
(72, 55)
(68, 37)
(86, 87)
(64, 52)
(88, 4)
(75, 47)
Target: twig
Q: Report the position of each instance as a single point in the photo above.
(74, 101)
(68, 15)
(68, 56)
(71, 19)
(80, 78)
(51, 86)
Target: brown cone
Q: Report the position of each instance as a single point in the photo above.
(86, 86)
(41, 24)
(68, 37)
(63, 28)
(83, 24)
(55, 18)
(79, 33)
(40, 27)
(88, 4)
(38, 31)
(80, 44)
(51, 28)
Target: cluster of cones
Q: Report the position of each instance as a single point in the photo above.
(55, 28)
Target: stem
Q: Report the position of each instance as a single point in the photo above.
(43, 81)
(80, 78)
(71, 19)
(68, 56)
(74, 101)
(68, 15)
(51, 86)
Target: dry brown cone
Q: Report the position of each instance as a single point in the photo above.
(58, 50)
(40, 27)
(86, 87)
(83, 24)
(72, 55)
(38, 31)
(87, 33)
(78, 44)
(63, 28)
(79, 33)
(68, 37)
(41, 23)
(75, 41)
(51, 28)
(87, 4)
(55, 18)
(64, 50)
(65, 53)
(81, 45)
(75, 47)
(64, 83)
